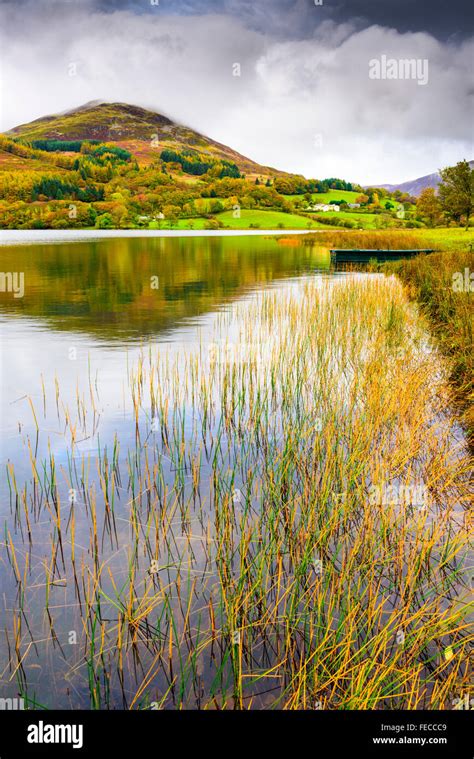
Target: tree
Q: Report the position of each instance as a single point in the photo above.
(216, 206)
(374, 199)
(172, 214)
(456, 191)
(104, 221)
(428, 206)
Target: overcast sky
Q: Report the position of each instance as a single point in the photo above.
(304, 100)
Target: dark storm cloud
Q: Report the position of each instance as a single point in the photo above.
(299, 18)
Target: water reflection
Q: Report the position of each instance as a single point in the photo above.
(126, 289)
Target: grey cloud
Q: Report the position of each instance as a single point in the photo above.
(306, 105)
(299, 18)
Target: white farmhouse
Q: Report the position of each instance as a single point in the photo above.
(324, 207)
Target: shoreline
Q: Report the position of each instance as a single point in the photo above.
(429, 282)
(32, 236)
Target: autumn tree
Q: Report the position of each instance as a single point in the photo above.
(456, 191)
(429, 206)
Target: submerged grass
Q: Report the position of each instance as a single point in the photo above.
(286, 529)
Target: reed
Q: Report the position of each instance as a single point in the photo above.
(442, 284)
(283, 528)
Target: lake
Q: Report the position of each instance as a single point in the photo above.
(198, 434)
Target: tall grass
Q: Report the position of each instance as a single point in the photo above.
(380, 240)
(285, 527)
(441, 283)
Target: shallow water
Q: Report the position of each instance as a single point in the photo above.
(89, 311)
(101, 391)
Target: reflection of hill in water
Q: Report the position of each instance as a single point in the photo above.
(104, 288)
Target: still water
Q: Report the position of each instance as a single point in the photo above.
(90, 310)
(167, 483)
(89, 307)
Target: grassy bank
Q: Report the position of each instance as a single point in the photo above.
(441, 284)
(444, 238)
(447, 238)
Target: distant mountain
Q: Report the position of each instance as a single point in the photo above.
(415, 186)
(141, 131)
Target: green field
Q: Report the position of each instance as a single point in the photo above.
(447, 238)
(363, 220)
(271, 220)
(259, 219)
(327, 197)
(264, 219)
(441, 238)
(196, 223)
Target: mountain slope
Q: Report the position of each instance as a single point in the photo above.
(416, 186)
(145, 133)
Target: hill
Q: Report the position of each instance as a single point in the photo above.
(109, 165)
(143, 132)
(415, 186)
(115, 165)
